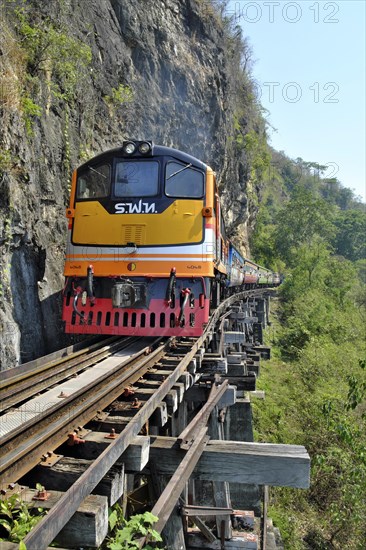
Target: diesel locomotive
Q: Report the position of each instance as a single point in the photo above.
(146, 249)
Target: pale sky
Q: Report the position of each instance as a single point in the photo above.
(310, 69)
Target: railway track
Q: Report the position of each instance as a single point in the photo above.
(42, 424)
(20, 383)
(76, 389)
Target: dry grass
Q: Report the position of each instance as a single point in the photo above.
(12, 67)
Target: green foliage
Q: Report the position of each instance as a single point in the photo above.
(29, 111)
(126, 533)
(256, 147)
(350, 239)
(298, 203)
(121, 95)
(304, 220)
(5, 161)
(53, 53)
(315, 382)
(263, 247)
(17, 518)
(318, 400)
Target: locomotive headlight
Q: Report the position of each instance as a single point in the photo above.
(144, 148)
(129, 148)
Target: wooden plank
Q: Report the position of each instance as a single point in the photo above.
(265, 351)
(179, 387)
(235, 358)
(192, 367)
(160, 416)
(201, 511)
(67, 470)
(259, 394)
(134, 458)
(243, 383)
(234, 337)
(237, 369)
(214, 365)
(239, 462)
(199, 394)
(117, 423)
(206, 531)
(187, 379)
(171, 398)
(157, 375)
(88, 527)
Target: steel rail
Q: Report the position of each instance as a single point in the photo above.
(169, 497)
(22, 387)
(49, 526)
(189, 433)
(23, 448)
(38, 365)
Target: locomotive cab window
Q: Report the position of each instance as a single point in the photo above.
(181, 180)
(136, 178)
(94, 182)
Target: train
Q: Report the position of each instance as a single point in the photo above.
(147, 252)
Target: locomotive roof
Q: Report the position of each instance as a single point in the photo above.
(157, 151)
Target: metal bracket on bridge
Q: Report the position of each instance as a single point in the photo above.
(189, 510)
(49, 459)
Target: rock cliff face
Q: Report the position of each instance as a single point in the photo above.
(76, 79)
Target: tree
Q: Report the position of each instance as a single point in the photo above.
(304, 220)
(350, 239)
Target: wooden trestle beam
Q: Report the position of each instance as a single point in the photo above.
(238, 462)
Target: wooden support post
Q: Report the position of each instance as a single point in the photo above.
(179, 419)
(238, 421)
(264, 519)
(199, 356)
(221, 491)
(173, 532)
(238, 427)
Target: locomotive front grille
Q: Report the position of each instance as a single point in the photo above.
(133, 234)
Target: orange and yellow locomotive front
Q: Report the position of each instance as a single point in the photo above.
(143, 243)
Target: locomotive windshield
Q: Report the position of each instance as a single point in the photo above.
(136, 178)
(181, 180)
(94, 182)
